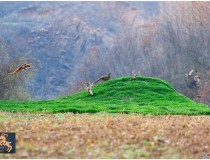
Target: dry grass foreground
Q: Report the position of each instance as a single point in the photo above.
(107, 136)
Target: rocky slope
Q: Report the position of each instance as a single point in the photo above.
(58, 36)
(69, 43)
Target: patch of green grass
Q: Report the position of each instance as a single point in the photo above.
(145, 95)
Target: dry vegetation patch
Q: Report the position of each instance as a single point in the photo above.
(107, 136)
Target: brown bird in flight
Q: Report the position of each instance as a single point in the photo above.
(103, 78)
(21, 68)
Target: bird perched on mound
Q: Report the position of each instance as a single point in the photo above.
(103, 78)
(23, 67)
(134, 77)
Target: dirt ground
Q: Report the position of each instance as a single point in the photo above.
(106, 136)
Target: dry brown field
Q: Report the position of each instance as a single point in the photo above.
(107, 136)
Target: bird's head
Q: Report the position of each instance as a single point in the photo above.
(28, 65)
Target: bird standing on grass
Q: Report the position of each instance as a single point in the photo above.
(134, 77)
(89, 87)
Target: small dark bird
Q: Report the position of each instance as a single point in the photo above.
(21, 68)
(134, 77)
(198, 96)
(103, 78)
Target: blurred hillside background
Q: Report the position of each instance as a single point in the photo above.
(69, 43)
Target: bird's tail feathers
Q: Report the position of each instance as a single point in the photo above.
(97, 80)
(12, 73)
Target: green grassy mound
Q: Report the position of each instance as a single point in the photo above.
(145, 95)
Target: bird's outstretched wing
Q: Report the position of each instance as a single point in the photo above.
(190, 73)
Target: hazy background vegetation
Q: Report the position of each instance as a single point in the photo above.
(72, 42)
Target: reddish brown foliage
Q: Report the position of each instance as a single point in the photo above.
(204, 91)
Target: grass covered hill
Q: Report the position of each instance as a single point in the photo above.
(121, 95)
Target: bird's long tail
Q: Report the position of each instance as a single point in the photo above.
(97, 81)
(12, 72)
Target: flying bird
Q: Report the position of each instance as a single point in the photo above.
(21, 68)
(190, 73)
(197, 78)
(103, 78)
